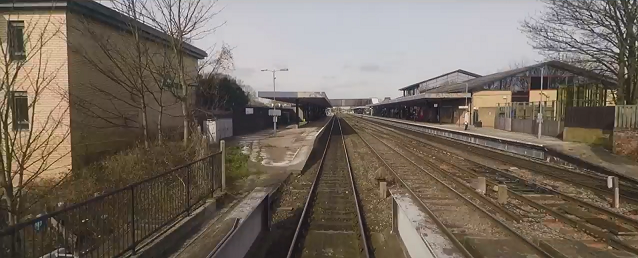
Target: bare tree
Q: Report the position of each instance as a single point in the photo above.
(140, 72)
(184, 21)
(34, 114)
(600, 35)
(122, 58)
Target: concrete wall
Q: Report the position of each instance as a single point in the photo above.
(44, 72)
(587, 135)
(487, 116)
(625, 143)
(254, 212)
(411, 238)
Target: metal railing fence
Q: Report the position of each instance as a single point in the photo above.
(119, 222)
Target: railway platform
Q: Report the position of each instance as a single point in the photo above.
(234, 225)
(579, 154)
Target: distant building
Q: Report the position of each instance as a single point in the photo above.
(347, 104)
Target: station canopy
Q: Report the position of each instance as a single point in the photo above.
(303, 97)
(419, 98)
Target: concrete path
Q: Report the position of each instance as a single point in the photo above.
(595, 156)
(288, 151)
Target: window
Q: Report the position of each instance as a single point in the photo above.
(16, 40)
(536, 82)
(20, 110)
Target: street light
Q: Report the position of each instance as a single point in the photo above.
(274, 97)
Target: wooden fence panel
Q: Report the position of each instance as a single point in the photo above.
(626, 117)
(590, 117)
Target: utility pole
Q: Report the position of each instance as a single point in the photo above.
(539, 118)
(274, 96)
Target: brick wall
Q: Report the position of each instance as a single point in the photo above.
(625, 143)
(44, 77)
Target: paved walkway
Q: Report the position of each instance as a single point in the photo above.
(276, 157)
(594, 156)
(287, 151)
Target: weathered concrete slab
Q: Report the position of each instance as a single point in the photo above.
(494, 247)
(287, 152)
(417, 230)
(250, 212)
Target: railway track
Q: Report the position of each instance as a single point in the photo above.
(459, 217)
(331, 223)
(589, 180)
(618, 230)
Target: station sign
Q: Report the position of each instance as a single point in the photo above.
(274, 112)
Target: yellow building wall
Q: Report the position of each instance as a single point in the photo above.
(105, 116)
(548, 95)
(490, 98)
(44, 76)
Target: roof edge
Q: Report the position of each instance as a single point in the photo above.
(103, 14)
(442, 75)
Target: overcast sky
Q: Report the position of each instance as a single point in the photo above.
(354, 49)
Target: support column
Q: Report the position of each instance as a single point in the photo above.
(297, 111)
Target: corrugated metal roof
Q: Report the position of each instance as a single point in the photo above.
(442, 75)
(480, 82)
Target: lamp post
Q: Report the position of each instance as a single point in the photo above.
(274, 97)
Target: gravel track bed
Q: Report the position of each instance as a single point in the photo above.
(474, 162)
(332, 225)
(459, 216)
(367, 169)
(532, 226)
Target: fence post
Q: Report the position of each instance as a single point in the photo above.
(133, 219)
(222, 146)
(211, 163)
(188, 190)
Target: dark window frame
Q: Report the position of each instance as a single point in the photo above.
(20, 110)
(15, 38)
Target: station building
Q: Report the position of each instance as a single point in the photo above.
(509, 100)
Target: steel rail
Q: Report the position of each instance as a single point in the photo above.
(605, 211)
(450, 235)
(596, 233)
(507, 158)
(302, 219)
(356, 195)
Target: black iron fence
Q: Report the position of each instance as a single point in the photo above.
(119, 222)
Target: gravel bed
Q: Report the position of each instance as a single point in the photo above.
(367, 169)
(532, 227)
(470, 162)
(453, 211)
